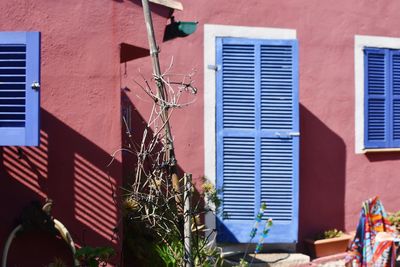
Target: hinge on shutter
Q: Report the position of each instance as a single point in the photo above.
(213, 67)
(35, 86)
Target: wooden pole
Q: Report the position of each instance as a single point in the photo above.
(187, 211)
(161, 93)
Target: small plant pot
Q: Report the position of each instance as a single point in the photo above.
(329, 246)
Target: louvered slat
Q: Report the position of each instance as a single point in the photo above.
(376, 119)
(276, 87)
(395, 68)
(238, 172)
(277, 178)
(257, 88)
(376, 93)
(396, 119)
(238, 86)
(376, 74)
(396, 74)
(12, 85)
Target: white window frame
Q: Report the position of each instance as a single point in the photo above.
(211, 32)
(360, 42)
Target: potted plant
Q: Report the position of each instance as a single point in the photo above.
(329, 242)
(394, 219)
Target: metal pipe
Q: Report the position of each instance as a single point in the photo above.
(187, 211)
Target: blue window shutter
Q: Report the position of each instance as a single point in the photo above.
(376, 102)
(257, 140)
(395, 94)
(19, 102)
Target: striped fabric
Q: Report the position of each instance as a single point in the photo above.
(374, 243)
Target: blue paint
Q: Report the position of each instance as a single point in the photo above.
(257, 121)
(395, 93)
(381, 98)
(19, 115)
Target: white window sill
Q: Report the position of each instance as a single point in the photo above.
(373, 150)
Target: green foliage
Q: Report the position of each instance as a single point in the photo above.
(139, 244)
(331, 233)
(94, 256)
(161, 224)
(204, 254)
(267, 226)
(171, 253)
(394, 219)
(242, 263)
(210, 193)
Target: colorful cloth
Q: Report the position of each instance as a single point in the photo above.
(374, 243)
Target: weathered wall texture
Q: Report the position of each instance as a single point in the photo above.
(80, 114)
(333, 179)
(82, 77)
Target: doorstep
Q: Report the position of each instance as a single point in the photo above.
(271, 259)
(335, 260)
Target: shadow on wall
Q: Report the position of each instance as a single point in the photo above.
(322, 177)
(134, 124)
(372, 157)
(130, 52)
(138, 246)
(69, 169)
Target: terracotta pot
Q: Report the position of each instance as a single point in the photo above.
(329, 246)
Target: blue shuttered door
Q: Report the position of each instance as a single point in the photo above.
(257, 137)
(280, 137)
(19, 102)
(382, 98)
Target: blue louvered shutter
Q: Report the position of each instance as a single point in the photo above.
(19, 102)
(280, 137)
(382, 98)
(395, 93)
(257, 137)
(376, 98)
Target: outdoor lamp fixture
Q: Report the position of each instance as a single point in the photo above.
(179, 29)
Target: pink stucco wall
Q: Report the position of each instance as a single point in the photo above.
(80, 114)
(333, 179)
(81, 81)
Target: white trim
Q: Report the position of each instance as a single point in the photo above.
(361, 41)
(211, 32)
(169, 3)
(381, 150)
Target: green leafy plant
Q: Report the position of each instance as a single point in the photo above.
(242, 263)
(170, 247)
(331, 233)
(170, 253)
(206, 255)
(163, 223)
(253, 232)
(394, 219)
(156, 198)
(94, 256)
